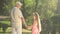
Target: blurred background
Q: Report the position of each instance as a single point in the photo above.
(49, 11)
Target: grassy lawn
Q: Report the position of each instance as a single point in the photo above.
(8, 31)
(5, 22)
(24, 31)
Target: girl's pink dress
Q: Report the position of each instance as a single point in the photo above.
(35, 29)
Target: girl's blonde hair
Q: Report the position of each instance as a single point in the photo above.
(38, 19)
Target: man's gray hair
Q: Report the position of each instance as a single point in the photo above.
(19, 3)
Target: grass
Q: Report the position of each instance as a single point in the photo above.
(8, 31)
(9, 28)
(22, 33)
(5, 22)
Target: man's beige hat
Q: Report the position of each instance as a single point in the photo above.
(19, 3)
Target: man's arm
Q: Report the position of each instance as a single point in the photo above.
(24, 22)
(13, 14)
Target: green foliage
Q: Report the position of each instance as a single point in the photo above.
(46, 8)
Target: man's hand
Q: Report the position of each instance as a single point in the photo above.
(29, 27)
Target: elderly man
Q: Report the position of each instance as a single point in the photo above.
(17, 18)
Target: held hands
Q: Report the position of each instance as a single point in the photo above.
(29, 27)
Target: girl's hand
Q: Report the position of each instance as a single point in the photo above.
(29, 27)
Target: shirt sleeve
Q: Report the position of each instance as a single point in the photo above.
(20, 14)
(15, 14)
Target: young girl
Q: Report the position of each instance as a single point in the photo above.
(36, 27)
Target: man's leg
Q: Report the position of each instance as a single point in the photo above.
(13, 31)
(19, 30)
